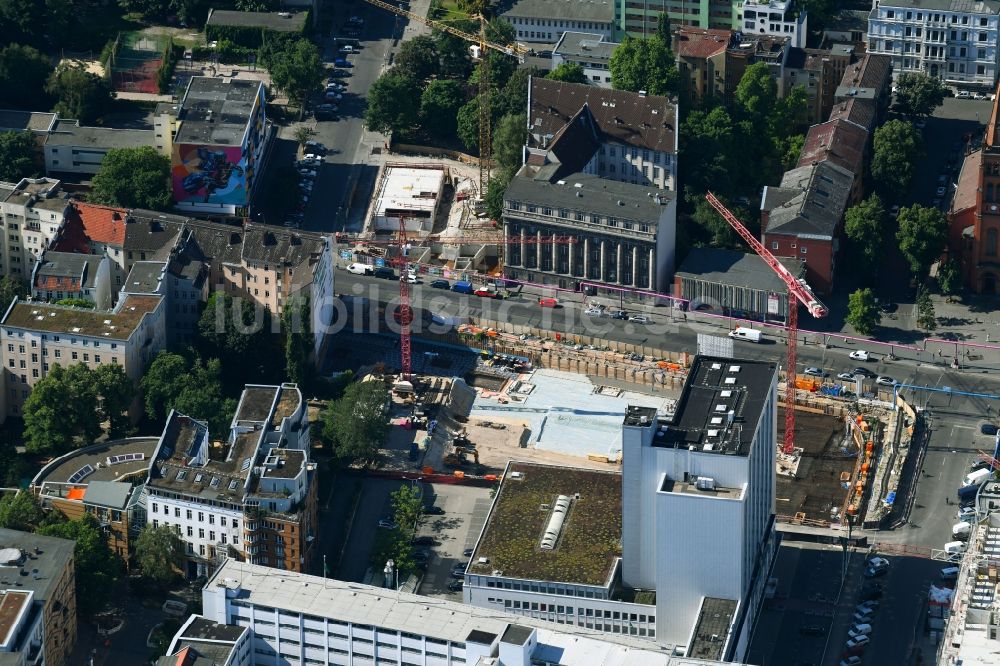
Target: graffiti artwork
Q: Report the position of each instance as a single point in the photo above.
(209, 175)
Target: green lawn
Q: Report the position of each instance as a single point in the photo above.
(451, 12)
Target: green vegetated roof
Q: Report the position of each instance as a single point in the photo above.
(590, 539)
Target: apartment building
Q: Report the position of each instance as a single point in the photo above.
(74, 149)
(37, 599)
(843, 143)
(701, 481)
(590, 51)
(303, 620)
(589, 233)
(701, 62)
(778, 18)
(200, 642)
(545, 21)
(639, 19)
(96, 230)
(59, 275)
(33, 211)
(618, 135)
(819, 72)
(35, 335)
(251, 494)
(953, 41)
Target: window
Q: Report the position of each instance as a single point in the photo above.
(155, 507)
(802, 249)
(189, 514)
(774, 245)
(190, 531)
(74, 355)
(991, 242)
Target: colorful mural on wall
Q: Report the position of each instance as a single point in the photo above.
(209, 174)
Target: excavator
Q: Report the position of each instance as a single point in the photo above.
(459, 457)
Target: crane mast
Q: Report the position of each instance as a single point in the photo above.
(798, 292)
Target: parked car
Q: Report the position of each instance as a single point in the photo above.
(639, 319)
(594, 312)
(860, 355)
(387, 524)
(867, 606)
(860, 630)
(619, 314)
(385, 273)
(312, 156)
(342, 62)
(940, 191)
(853, 660)
(885, 380)
(814, 372)
(963, 94)
(339, 74)
(458, 573)
(864, 372)
(348, 49)
(434, 510)
(306, 173)
(864, 616)
(456, 585)
(315, 147)
(423, 541)
(966, 514)
(857, 642)
(988, 429)
(467, 552)
(440, 284)
(332, 96)
(846, 376)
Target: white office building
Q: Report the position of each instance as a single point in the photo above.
(779, 18)
(698, 500)
(300, 620)
(544, 21)
(693, 512)
(591, 52)
(954, 41)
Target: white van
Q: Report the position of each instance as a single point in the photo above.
(748, 334)
(954, 547)
(360, 269)
(975, 478)
(961, 530)
(949, 573)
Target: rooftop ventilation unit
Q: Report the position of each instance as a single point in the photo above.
(704, 483)
(554, 527)
(517, 476)
(734, 368)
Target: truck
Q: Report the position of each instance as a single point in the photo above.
(748, 334)
(968, 493)
(977, 477)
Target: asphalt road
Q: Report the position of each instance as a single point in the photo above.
(375, 504)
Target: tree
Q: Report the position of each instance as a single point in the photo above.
(898, 149)
(11, 288)
(20, 511)
(722, 235)
(80, 94)
(757, 93)
(862, 311)
(513, 97)
(468, 125)
(790, 150)
(84, 397)
(21, 20)
(709, 146)
(453, 55)
(918, 93)
(407, 508)
(46, 428)
(663, 27)
(949, 278)
(303, 134)
(17, 155)
(439, 105)
(391, 103)
(644, 64)
(23, 73)
(922, 234)
(297, 68)
(358, 422)
(495, 190)
(133, 178)
(508, 141)
(202, 397)
(159, 553)
(568, 72)
(865, 226)
(418, 58)
(298, 340)
(237, 331)
(117, 392)
(97, 566)
(163, 381)
(926, 319)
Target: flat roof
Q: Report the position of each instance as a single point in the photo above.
(50, 555)
(216, 111)
(289, 399)
(580, 10)
(270, 20)
(586, 549)
(409, 189)
(35, 121)
(13, 605)
(691, 488)
(714, 388)
(126, 453)
(711, 631)
(436, 618)
(585, 46)
(71, 133)
(108, 493)
(145, 277)
(118, 324)
(201, 628)
(731, 267)
(255, 403)
(290, 463)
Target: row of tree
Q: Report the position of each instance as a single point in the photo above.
(396, 544)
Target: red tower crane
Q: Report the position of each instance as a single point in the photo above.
(405, 311)
(798, 292)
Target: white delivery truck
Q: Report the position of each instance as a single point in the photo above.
(954, 548)
(748, 334)
(961, 531)
(975, 478)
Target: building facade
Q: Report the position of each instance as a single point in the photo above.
(59, 275)
(581, 231)
(219, 144)
(974, 216)
(701, 62)
(956, 42)
(545, 21)
(72, 149)
(35, 335)
(34, 211)
(251, 496)
(307, 620)
(38, 625)
(592, 52)
(779, 18)
(712, 463)
(639, 19)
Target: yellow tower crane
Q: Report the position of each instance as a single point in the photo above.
(515, 50)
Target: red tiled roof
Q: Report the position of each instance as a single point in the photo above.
(57, 283)
(100, 224)
(838, 141)
(701, 43)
